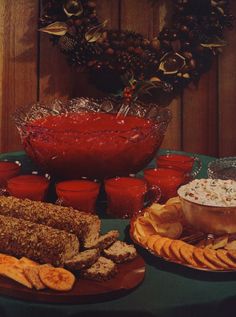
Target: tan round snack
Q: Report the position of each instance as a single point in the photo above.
(158, 245)
(57, 279)
(8, 259)
(211, 256)
(165, 251)
(198, 254)
(224, 257)
(232, 254)
(32, 275)
(186, 251)
(15, 273)
(151, 241)
(27, 262)
(175, 247)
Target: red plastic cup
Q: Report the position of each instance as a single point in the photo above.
(189, 165)
(126, 195)
(79, 194)
(33, 187)
(167, 179)
(7, 171)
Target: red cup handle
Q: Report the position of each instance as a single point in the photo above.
(152, 196)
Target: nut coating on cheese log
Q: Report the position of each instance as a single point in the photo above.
(85, 226)
(37, 242)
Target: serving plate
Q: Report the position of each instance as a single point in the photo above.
(129, 276)
(183, 238)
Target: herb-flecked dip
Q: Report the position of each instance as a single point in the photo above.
(210, 192)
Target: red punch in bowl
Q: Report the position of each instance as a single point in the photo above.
(91, 138)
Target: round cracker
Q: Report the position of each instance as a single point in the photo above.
(223, 256)
(186, 251)
(198, 254)
(151, 240)
(232, 254)
(158, 245)
(211, 256)
(57, 279)
(8, 259)
(165, 250)
(174, 248)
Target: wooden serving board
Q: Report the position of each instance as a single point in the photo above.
(130, 275)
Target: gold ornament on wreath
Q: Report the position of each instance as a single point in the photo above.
(128, 65)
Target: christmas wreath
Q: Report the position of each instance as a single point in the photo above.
(127, 64)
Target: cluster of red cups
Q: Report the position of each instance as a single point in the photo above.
(125, 195)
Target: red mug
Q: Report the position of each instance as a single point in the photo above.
(31, 186)
(7, 171)
(128, 195)
(167, 179)
(189, 165)
(79, 194)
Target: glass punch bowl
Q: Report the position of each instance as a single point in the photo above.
(91, 138)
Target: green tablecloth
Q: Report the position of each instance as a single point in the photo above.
(167, 290)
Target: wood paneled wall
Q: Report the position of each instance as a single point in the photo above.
(31, 69)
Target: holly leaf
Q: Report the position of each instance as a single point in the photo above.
(56, 28)
(96, 32)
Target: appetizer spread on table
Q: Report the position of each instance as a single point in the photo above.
(45, 245)
(165, 231)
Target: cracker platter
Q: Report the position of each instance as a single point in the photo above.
(164, 232)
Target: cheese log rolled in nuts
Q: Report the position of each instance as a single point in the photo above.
(37, 242)
(85, 226)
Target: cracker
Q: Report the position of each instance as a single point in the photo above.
(27, 262)
(32, 274)
(175, 247)
(232, 254)
(165, 251)
(198, 254)
(15, 273)
(158, 245)
(186, 251)
(151, 241)
(211, 256)
(224, 257)
(8, 259)
(57, 279)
